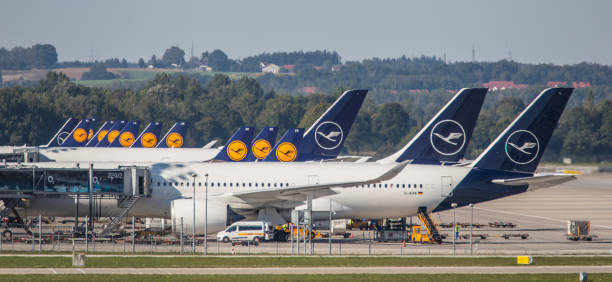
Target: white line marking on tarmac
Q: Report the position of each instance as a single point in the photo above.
(53, 270)
(82, 271)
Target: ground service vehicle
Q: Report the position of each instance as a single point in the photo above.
(255, 231)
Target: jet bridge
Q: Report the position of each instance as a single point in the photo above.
(28, 182)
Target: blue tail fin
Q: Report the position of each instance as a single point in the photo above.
(324, 139)
(149, 136)
(175, 136)
(112, 133)
(288, 148)
(445, 138)
(106, 126)
(262, 144)
(236, 148)
(521, 145)
(79, 135)
(127, 136)
(62, 134)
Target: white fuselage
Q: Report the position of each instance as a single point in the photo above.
(415, 186)
(125, 155)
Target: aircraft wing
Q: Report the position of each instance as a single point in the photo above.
(298, 193)
(538, 181)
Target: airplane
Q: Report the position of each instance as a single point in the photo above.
(262, 144)
(101, 133)
(149, 136)
(62, 134)
(81, 133)
(444, 139)
(169, 149)
(271, 190)
(127, 136)
(113, 132)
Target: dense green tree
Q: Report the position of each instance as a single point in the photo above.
(173, 55)
(97, 72)
(141, 63)
(217, 60)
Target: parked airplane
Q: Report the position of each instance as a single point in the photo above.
(149, 136)
(63, 133)
(270, 190)
(341, 113)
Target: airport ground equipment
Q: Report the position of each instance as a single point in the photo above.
(418, 237)
(579, 230)
(523, 236)
(501, 224)
(432, 230)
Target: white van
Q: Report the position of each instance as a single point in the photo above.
(255, 231)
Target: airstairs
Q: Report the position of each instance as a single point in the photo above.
(127, 203)
(9, 205)
(432, 229)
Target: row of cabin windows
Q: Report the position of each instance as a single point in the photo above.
(244, 184)
(225, 184)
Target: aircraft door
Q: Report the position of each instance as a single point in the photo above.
(313, 179)
(446, 186)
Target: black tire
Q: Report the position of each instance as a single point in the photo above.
(226, 239)
(256, 240)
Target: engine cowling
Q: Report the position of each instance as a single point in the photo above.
(220, 215)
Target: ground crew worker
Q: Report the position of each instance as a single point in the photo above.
(456, 231)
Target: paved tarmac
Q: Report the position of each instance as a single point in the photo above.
(317, 270)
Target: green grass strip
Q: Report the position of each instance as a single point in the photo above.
(202, 262)
(318, 278)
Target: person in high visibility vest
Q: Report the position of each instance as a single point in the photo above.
(456, 232)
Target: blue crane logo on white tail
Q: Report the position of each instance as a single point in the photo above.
(329, 135)
(522, 146)
(447, 137)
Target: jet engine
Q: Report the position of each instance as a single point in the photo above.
(220, 215)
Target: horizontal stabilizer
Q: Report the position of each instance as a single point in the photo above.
(537, 181)
(210, 144)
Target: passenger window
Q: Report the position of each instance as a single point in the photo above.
(164, 183)
(281, 185)
(249, 184)
(230, 184)
(224, 184)
(420, 185)
(187, 183)
(255, 184)
(274, 184)
(268, 184)
(385, 185)
(403, 185)
(200, 184)
(243, 184)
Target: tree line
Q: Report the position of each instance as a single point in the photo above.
(42, 56)
(216, 107)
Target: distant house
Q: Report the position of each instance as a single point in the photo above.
(555, 83)
(205, 68)
(289, 68)
(336, 67)
(495, 85)
(309, 89)
(270, 68)
(581, 84)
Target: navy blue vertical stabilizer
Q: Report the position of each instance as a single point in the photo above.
(62, 134)
(288, 148)
(112, 133)
(100, 134)
(262, 144)
(149, 136)
(237, 147)
(520, 147)
(445, 138)
(175, 137)
(127, 136)
(324, 139)
(79, 135)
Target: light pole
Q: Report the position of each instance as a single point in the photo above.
(454, 205)
(471, 225)
(206, 214)
(193, 238)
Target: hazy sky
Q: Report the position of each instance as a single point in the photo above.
(561, 32)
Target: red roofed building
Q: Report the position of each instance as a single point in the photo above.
(309, 89)
(555, 83)
(289, 67)
(581, 84)
(503, 84)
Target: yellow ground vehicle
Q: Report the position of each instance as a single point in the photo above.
(282, 232)
(417, 236)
